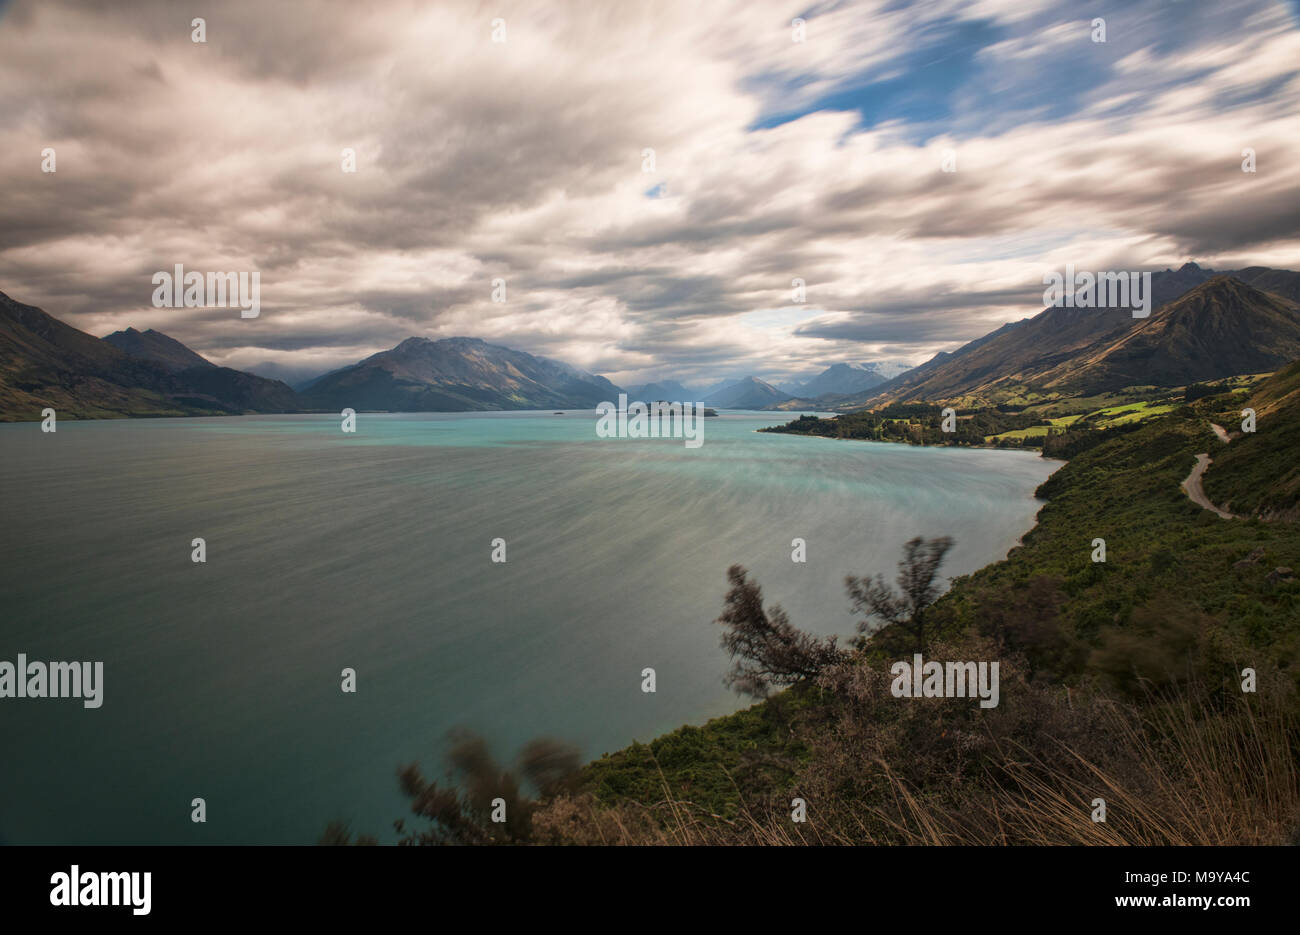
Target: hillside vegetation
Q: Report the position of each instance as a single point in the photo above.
(1061, 426)
(1258, 473)
(1121, 679)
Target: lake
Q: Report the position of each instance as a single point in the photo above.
(373, 551)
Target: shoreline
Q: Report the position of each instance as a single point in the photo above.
(877, 441)
(1019, 543)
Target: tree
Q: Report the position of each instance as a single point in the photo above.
(768, 650)
(904, 608)
(461, 811)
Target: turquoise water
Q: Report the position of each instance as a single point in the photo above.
(373, 551)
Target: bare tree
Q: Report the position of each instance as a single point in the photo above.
(768, 650)
(904, 608)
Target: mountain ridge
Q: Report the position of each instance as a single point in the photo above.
(748, 393)
(458, 375)
(1025, 353)
(47, 363)
(156, 346)
(1204, 325)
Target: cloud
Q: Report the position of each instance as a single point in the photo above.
(772, 160)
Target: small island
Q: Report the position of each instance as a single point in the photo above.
(695, 407)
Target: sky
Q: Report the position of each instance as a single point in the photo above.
(779, 153)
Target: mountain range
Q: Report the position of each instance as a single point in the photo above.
(844, 379)
(751, 392)
(669, 390)
(1204, 325)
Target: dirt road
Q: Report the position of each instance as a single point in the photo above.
(1194, 489)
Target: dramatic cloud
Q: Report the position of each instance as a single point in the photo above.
(773, 160)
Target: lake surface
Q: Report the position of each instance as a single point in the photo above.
(372, 551)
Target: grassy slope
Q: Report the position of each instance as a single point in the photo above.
(1167, 598)
(1102, 418)
(90, 398)
(1163, 552)
(1259, 471)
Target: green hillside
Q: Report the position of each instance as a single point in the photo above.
(1119, 663)
(1258, 473)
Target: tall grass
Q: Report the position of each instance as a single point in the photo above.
(1175, 770)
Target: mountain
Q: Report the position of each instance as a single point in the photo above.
(720, 385)
(233, 391)
(875, 372)
(888, 369)
(896, 387)
(458, 375)
(844, 379)
(1053, 349)
(668, 390)
(156, 346)
(749, 393)
(899, 386)
(47, 363)
(1219, 329)
(297, 376)
(1283, 282)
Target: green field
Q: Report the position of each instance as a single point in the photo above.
(1105, 417)
(1034, 431)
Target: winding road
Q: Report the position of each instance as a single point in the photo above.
(1195, 491)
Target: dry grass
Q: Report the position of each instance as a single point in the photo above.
(1174, 770)
(1183, 775)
